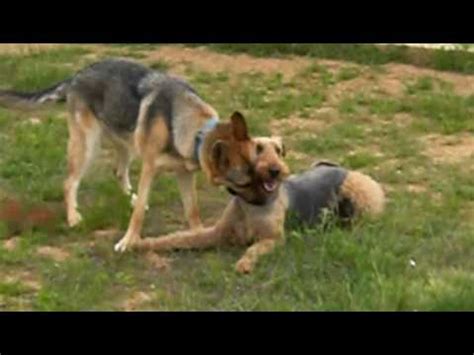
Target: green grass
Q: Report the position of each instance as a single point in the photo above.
(40, 69)
(455, 60)
(441, 111)
(331, 267)
(348, 73)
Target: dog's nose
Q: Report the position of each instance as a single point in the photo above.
(274, 172)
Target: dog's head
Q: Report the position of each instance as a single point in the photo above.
(230, 154)
(269, 167)
(252, 168)
(266, 170)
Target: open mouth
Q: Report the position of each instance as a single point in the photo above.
(270, 186)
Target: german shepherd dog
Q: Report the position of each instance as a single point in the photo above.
(256, 214)
(157, 117)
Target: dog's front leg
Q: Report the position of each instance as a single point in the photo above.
(191, 239)
(187, 189)
(136, 222)
(247, 262)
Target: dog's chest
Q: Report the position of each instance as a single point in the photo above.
(263, 222)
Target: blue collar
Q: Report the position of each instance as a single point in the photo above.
(208, 126)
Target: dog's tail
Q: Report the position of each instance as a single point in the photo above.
(365, 194)
(30, 100)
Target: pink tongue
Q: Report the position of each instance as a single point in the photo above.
(269, 186)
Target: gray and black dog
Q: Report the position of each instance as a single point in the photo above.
(155, 116)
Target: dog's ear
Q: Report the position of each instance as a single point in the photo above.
(239, 126)
(280, 144)
(219, 154)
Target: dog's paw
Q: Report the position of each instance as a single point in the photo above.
(244, 266)
(125, 243)
(74, 219)
(133, 200)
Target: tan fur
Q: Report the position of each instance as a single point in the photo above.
(271, 155)
(84, 137)
(366, 194)
(241, 224)
(152, 144)
(261, 226)
(147, 143)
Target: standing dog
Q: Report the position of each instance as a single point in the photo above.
(256, 214)
(155, 116)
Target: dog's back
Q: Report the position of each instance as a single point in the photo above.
(114, 89)
(313, 190)
(326, 185)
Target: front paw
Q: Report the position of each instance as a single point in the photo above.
(126, 243)
(74, 219)
(244, 266)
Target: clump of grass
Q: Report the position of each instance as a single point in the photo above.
(160, 65)
(360, 160)
(12, 289)
(348, 73)
(424, 83)
(450, 113)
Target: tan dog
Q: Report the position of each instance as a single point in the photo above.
(256, 214)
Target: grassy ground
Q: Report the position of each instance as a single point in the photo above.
(411, 128)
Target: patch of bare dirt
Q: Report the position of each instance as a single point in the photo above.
(449, 149)
(135, 301)
(366, 83)
(106, 233)
(21, 48)
(158, 262)
(462, 84)
(416, 188)
(11, 243)
(55, 253)
(339, 90)
(25, 277)
(206, 60)
(402, 119)
(392, 81)
(299, 156)
(319, 121)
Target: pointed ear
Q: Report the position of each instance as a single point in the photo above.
(239, 126)
(219, 154)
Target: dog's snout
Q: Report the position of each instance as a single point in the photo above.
(274, 172)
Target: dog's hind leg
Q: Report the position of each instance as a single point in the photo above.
(84, 137)
(187, 189)
(124, 158)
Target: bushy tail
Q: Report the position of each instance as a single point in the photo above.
(29, 100)
(365, 194)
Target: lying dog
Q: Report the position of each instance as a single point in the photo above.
(256, 214)
(155, 116)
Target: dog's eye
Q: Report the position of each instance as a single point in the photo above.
(259, 148)
(278, 150)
